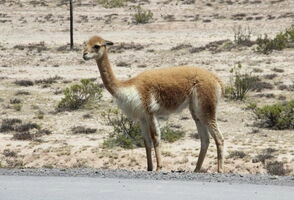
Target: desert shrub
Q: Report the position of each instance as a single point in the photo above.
(262, 157)
(282, 40)
(112, 3)
(78, 95)
(9, 124)
(39, 47)
(240, 84)
(215, 46)
(142, 16)
(126, 46)
(9, 153)
(23, 136)
(25, 83)
(181, 46)
(242, 36)
(23, 131)
(236, 154)
(170, 135)
(276, 168)
(259, 85)
(49, 80)
(15, 101)
(26, 127)
(21, 92)
(31, 135)
(127, 134)
(83, 130)
(276, 116)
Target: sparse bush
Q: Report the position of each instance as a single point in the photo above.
(15, 101)
(31, 135)
(276, 168)
(9, 153)
(276, 116)
(170, 135)
(25, 83)
(48, 81)
(181, 46)
(21, 92)
(23, 136)
(215, 46)
(23, 131)
(142, 16)
(261, 85)
(242, 36)
(126, 46)
(236, 154)
(39, 47)
(9, 124)
(78, 95)
(262, 157)
(282, 40)
(127, 134)
(240, 84)
(26, 127)
(83, 130)
(112, 3)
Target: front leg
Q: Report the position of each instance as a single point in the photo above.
(148, 143)
(155, 136)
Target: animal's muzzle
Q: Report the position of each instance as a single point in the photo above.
(85, 56)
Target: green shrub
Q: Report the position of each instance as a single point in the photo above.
(277, 116)
(242, 36)
(282, 40)
(142, 16)
(127, 134)
(112, 3)
(78, 95)
(170, 135)
(240, 84)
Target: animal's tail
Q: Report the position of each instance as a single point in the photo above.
(222, 85)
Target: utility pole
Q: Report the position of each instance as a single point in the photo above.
(71, 25)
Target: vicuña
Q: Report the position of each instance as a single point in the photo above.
(160, 92)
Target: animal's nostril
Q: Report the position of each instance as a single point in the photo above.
(85, 56)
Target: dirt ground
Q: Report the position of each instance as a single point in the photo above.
(34, 45)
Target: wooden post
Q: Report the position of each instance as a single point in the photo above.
(71, 24)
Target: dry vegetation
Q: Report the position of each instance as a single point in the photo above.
(37, 66)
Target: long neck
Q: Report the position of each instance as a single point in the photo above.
(109, 80)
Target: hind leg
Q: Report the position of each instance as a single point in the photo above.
(219, 141)
(204, 139)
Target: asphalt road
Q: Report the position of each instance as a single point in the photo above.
(88, 188)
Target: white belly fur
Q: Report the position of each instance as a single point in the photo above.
(128, 99)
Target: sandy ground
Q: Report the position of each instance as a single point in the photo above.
(34, 46)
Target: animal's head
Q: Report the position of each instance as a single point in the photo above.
(95, 48)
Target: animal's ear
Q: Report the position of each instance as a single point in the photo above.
(108, 43)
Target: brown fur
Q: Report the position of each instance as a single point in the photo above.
(169, 88)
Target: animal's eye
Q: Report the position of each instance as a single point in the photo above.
(97, 47)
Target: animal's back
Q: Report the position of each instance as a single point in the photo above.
(170, 88)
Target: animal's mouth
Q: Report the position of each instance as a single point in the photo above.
(86, 56)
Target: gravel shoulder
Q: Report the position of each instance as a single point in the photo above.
(259, 179)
